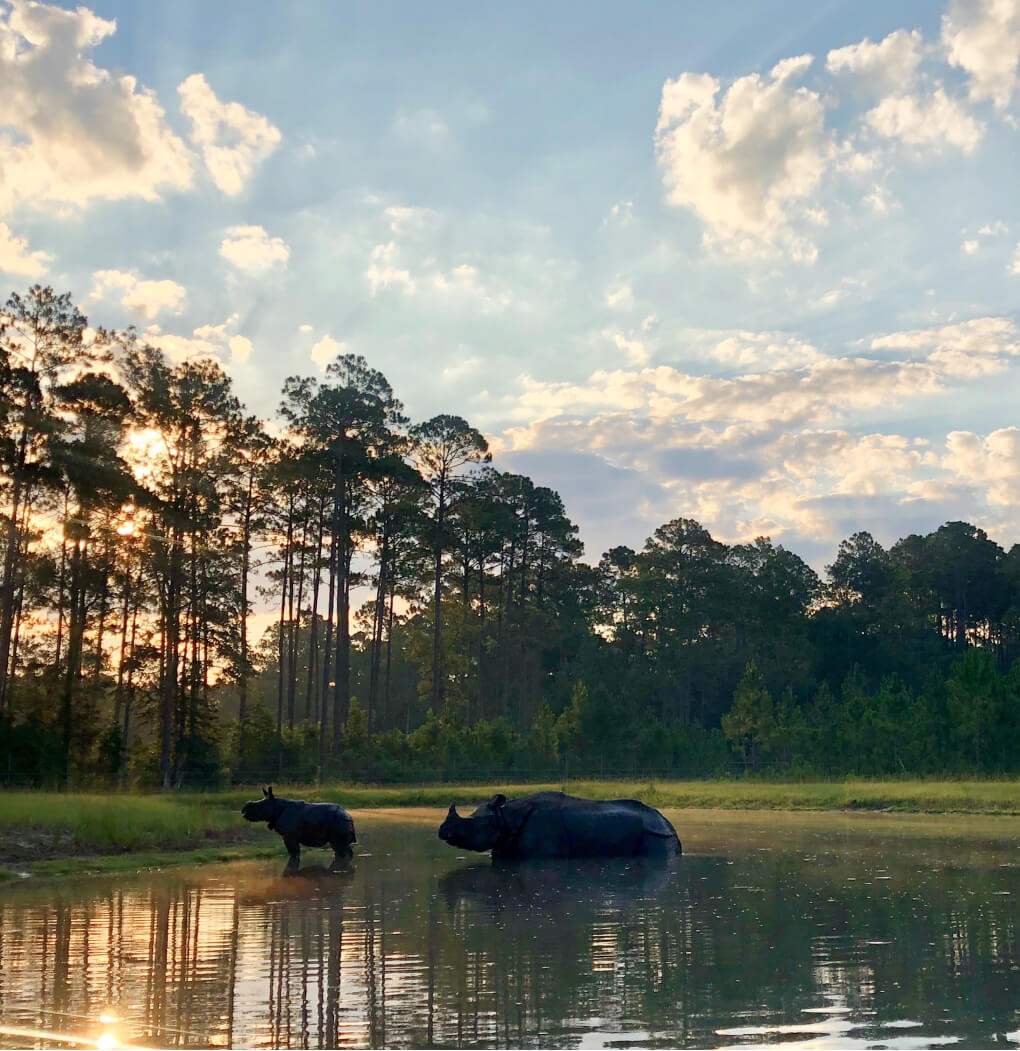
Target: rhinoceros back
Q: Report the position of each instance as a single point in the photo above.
(559, 825)
(315, 824)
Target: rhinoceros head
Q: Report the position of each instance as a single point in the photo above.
(264, 809)
(481, 831)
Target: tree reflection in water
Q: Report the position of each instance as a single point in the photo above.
(419, 948)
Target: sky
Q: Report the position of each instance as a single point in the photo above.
(753, 263)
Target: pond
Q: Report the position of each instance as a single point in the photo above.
(804, 930)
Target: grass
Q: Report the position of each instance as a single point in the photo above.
(924, 797)
(42, 830)
(114, 822)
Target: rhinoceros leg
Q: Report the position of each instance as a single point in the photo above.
(294, 850)
(342, 853)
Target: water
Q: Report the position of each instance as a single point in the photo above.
(812, 931)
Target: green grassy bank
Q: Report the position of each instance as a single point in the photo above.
(41, 831)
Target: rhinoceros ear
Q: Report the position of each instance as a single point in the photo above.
(497, 801)
(452, 812)
(265, 791)
(268, 792)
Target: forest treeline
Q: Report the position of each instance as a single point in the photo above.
(432, 616)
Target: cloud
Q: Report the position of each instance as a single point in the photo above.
(71, 131)
(621, 298)
(888, 66)
(982, 37)
(977, 347)
(972, 245)
(992, 462)
(407, 263)
(240, 348)
(621, 214)
(404, 219)
(305, 329)
(234, 140)
(1014, 266)
(251, 248)
(462, 367)
(326, 350)
(936, 121)
(635, 349)
(739, 481)
(16, 258)
(147, 298)
(764, 351)
(746, 164)
(424, 127)
(823, 392)
(382, 271)
(776, 451)
(220, 342)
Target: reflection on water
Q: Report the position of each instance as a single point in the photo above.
(807, 934)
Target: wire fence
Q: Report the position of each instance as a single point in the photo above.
(13, 776)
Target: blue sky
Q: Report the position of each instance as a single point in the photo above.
(756, 263)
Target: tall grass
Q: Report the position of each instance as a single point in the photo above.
(104, 823)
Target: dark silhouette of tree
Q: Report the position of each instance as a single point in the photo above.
(440, 447)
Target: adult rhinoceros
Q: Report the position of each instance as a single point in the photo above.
(554, 825)
(305, 825)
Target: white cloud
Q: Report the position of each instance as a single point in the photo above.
(635, 350)
(147, 298)
(982, 37)
(326, 350)
(240, 348)
(1014, 266)
(406, 264)
(769, 351)
(251, 248)
(621, 298)
(888, 66)
(993, 229)
(738, 456)
(234, 140)
(16, 258)
(463, 367)
(880, 201)
(621, 214)
(799, 386)
(383, 271)
(970, 247)
(220, 342)
(305, 329)
(747, 165)
(977, 347)
(992, 462)
(407, 218)
(821, 393)
(79, 131)
(935, 121)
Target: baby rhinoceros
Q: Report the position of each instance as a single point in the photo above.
(305, 825)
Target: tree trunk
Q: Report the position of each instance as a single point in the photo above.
(313, 639)
(242, 680)
(171, 664)
(437, 641)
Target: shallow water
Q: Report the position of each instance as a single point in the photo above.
(811, 931)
